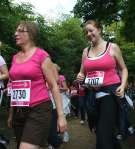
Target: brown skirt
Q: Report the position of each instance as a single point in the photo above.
(31, 124)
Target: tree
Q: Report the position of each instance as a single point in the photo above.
(103, 10)
(10, 15)
(67, 40)
(129, 19)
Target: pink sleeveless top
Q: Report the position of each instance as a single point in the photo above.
(31, 70)
(105, 63)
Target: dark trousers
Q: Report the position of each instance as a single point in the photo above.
(106, 123)
(54, 138)
(123, 121)
(75, 105)
(82, 107)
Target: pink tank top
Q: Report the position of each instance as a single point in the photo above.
(31, 70)
(104, 63)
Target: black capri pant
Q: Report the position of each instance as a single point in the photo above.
(106, 123)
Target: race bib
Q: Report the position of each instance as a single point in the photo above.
(20, 94)
(94, 78)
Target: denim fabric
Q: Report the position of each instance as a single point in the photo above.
(54, 139)
(82, 106)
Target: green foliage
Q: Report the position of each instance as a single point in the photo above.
(64, 39)
(67, 40)
(103, 10)
(129, 19)
(10, 15)
(128, 50)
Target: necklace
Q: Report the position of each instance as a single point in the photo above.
(96, 51)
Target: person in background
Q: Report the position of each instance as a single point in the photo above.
(3, 77)
(31, 69)
(3, 73)
(66, 101)
(74, 95)
(98, 69)
(54, 138)
(133, 88)
(82, 103)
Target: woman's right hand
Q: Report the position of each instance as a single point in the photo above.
(80, 77)
(61, 123)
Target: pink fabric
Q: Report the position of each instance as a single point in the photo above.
(81, 91)
(73, 91)
(31, 70)
(61, 79)
(104, 63)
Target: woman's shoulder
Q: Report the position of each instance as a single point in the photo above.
(114, 49)
(1, 57)
(85, 51)
(114, 45)
(41, 51)
(41, 55)
(2, 61)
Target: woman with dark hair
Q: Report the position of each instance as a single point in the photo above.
(31, 69)
(99, 69)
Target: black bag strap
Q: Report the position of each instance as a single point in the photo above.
(107, 44)
(88, 50)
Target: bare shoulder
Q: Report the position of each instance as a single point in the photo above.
(115, 50)
(115, 47)
(85, 51)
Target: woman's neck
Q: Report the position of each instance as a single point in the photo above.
(27, 47)
(98, 43)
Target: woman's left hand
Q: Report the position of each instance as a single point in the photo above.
(120, 91)
(61, 124)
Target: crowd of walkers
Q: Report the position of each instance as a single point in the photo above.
(41, 99)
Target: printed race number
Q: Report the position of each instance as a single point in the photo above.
(95, 78)
(94, 81)
(19, 94)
